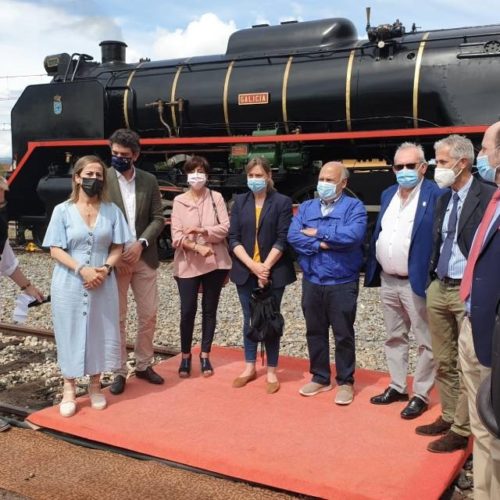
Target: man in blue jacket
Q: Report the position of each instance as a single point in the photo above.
(400, 252)
(327, 235)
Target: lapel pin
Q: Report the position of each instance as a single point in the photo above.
(424, 203)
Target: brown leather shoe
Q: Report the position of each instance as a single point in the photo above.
(448, 443)
(439, 426)
(272, 387)
(243, 381)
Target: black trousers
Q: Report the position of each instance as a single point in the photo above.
(326, 306)
(188, 290)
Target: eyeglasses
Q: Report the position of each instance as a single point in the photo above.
(410, 166)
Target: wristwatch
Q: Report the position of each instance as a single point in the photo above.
(144, 243)
(109, 268)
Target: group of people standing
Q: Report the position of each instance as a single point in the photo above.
(432, 252)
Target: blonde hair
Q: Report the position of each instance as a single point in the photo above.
(259, 161)
(77, 170)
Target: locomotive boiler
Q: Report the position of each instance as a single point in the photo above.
(299, 94)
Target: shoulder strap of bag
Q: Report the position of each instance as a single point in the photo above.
(214, 207)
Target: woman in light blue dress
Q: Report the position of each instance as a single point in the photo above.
(86, 236)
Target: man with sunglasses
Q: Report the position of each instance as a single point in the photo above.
(400, 251)
(458, 214)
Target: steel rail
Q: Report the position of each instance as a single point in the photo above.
(26, 331)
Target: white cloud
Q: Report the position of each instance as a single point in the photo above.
(205, 35)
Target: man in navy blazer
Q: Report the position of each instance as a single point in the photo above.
(400, 251)
(481, 289)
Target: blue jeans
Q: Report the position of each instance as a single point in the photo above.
(273, 345)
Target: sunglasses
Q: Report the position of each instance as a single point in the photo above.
(410, 166)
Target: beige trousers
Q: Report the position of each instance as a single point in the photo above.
(486, 447)
(445, 312)
(404, 310)
(142, 281)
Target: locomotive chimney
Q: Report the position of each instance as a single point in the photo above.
(113, 51)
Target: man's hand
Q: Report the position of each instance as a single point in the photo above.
(133, 253)
(309, 231)
(324, 246)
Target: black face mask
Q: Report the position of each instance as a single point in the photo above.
(120, 163)
(92, 187)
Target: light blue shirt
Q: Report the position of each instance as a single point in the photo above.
(456, 266)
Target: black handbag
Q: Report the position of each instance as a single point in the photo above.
(266, 322)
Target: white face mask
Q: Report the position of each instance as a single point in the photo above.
(197, 180)
(445, 177)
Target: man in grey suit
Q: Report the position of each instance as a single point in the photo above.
(137, 194)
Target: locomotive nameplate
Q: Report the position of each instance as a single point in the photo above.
(239, 150)
(253, 98)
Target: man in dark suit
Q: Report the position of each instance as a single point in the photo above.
(399, 257)
(458, 213)
(480, 289)
(138, 196)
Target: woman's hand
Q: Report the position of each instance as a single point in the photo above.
(261, 271)
(92, 277)
(204, 251)
(195, 230)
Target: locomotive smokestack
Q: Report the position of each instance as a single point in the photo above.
(113, 51)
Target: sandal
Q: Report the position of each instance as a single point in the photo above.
(206, 367)
(185, 367)
(97, 398)
(67, 406)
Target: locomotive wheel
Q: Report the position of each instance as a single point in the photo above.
(38, 231)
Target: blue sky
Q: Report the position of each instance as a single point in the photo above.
(30, 29)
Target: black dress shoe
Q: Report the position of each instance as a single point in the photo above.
(150, 375)
(389, 396)
(118, 385)
(414, 408)
(185, 367)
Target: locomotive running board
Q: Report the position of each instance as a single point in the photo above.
(310, 137)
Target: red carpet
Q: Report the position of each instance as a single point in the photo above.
(305, 445)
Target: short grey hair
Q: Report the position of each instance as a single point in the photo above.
(460, 147)
(344, 171)
(412, 145)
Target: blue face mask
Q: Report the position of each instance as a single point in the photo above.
(484, 168)
(256, 185)
(326, 190)
(407, 178)
(120, 163)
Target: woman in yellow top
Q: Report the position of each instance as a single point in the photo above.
(258, 241)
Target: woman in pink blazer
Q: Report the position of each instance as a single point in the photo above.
(200, 226)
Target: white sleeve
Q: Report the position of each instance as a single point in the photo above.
(9, 262)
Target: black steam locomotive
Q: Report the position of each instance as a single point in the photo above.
(299, 94)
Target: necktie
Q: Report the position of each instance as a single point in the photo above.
(466, 284)
(444, 258)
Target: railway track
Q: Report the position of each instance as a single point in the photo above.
(23, 397)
